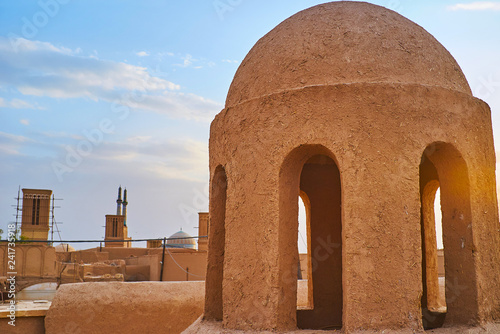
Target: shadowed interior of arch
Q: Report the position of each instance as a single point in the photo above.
(320, 191)
(443, 167)
(216, 240)
(433, 300)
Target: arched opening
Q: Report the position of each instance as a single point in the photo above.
(434, 307)
(216, 243)
(311, 172)
(438, 219)
(442, 167)
(304, 285)
(320, 187)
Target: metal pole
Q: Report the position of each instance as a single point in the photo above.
(17, 208)
(52, 227)
(163, 259)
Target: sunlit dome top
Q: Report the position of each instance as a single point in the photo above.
(344, 42)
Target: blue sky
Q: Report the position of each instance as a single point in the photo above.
(94, 94)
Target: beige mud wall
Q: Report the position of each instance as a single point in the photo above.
(152, 307)
(381, 240)
(31, 260)
(193, 263)
(25, 325)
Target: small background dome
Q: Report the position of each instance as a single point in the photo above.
(181, 240)
(342, 43)
(64, 248)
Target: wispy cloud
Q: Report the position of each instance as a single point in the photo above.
(142, 54)
(18, 104)
(21, 104)
(187, 61)
(139, 139)
(25, 122)
(185, 159)
(60, 135)
(42, 69)
(14, 138)
(11, 143)
(179, 105)
(476, 6)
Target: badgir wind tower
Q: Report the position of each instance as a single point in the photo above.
(116, 234)
(35, 224)
(363, 114)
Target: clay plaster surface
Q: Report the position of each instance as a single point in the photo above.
(142, 307)
(372, 91)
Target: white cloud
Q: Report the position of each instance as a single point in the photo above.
(8, 150)
(165, 159)
(39, 68)
(230, 61)
(25, 121)
(142, 54)
(179, 105)
(11, 143)
(187, 61)
(18, 104)
(161, 55)
(478, 5)
(13, 138)
(139, 139)
(21, 104)
(61, 135)
(42, 69)
(21, 45)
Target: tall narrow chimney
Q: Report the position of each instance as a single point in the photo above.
(119, 202)
(124, 212)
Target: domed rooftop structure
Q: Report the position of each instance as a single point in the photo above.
(64, 248)
(181, 239)
(361, 113)
(341, 43)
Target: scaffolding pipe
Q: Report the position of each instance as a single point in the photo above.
(163, 259)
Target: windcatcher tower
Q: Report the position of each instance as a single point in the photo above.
(116, 226)
(36, 212)
(203, 231)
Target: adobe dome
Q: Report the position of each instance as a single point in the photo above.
(341, 43)
(64, 248)
(181, 239)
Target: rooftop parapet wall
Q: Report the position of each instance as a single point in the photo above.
(152, 307)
